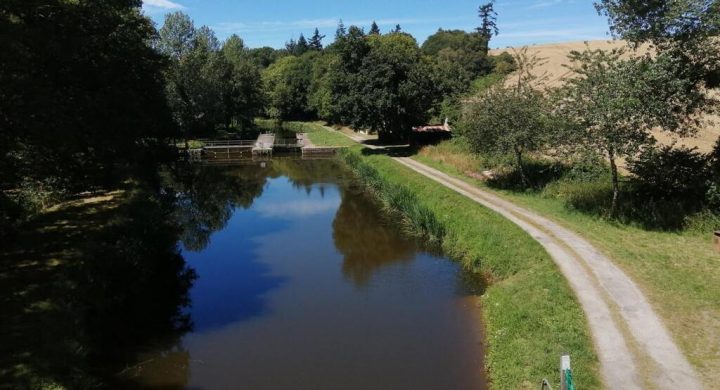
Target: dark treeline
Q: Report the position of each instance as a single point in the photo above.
(92, 93)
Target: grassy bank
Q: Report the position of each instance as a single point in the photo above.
(530, 313)
(319, 134)
(677, 270)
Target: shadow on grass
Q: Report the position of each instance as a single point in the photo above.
(86, 289)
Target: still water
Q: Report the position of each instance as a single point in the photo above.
(303, 284)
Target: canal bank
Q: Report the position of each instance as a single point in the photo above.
(531, 315)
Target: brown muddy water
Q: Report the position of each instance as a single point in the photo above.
(303, 284)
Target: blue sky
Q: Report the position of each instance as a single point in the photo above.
(272, 23)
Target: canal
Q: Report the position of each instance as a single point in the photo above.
(304, 283)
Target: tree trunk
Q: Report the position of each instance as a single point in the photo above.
(521, 167)
(615, 185)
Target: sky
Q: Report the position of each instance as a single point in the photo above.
(274, 22)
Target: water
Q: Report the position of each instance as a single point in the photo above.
(302, 284)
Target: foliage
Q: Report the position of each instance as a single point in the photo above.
(613, 104)
(82, 92)
(680, 20)
(287, 84)
(468, 50)
(208, 83)
(670, 173)
(380, 82)
(242, 91)
(509, 118)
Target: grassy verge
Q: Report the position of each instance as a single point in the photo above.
(678, 271)
(530, 312)
(318, 133)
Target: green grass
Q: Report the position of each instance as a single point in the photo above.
(678, 271)
(318, 133)
(530, 313)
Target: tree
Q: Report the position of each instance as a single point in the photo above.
(242, 89)
(662, 21)
(197, 75)
(468, 50)
(341, 31)
(264, 56)
(291, 46)
(302, 46)
(509, 117)
(287, 84)
(316, 41)
(381, 83)
(614, 103)
(374, 29)
(685, 30)
(488, 28)
(397, 29)
(82, 97)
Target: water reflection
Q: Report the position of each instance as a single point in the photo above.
(261, 291)
(365, 240)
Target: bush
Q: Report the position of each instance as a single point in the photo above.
(671, 174)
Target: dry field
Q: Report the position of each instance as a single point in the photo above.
(554, 56)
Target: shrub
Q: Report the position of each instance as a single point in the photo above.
(668, 173)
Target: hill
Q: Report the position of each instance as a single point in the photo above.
(554, 56)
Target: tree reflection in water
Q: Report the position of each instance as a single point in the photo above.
(367, 242)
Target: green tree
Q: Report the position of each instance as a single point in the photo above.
(242, 89)
(468, 50)
(488, 28)
(302, 46)
(509, 118)
(614, 103)
(263, 57)
(287, 85)
(685, 30)
(82, 97)
(315, 42)
(374, 29)
(197, 76)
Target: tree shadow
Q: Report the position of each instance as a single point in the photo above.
(87, 288)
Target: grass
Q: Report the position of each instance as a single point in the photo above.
(530, 313)
(678, 271)
(319, 134)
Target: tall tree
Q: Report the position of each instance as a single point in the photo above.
(488, 17)
(341, 31)
(685, 30)
(242, 89)
(374, 29)
(302, 46)
(196, 78)
(381, 83)
(291, 46)
(315, 42)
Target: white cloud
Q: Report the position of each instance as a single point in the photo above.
(164, 4)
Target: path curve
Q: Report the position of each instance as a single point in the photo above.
(604, 291)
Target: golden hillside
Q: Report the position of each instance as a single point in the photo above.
(554, 56)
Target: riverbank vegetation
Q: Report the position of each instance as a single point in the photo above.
(531, 316)
(599, 170)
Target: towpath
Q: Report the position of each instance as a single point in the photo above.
(634, 347)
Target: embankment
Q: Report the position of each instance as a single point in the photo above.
(531, 316)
